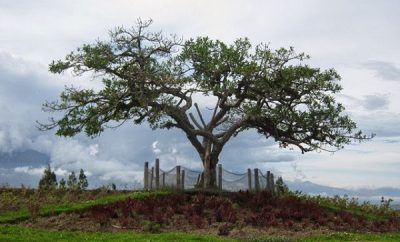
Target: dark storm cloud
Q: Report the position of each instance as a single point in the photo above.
(385, 70)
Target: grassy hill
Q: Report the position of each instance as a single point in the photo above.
(104, 215)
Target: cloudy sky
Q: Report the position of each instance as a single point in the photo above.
(357, 38)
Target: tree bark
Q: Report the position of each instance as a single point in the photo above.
(210, 160)
(210, 173)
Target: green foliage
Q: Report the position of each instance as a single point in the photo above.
(151, 227)
(62, 183)
(82, 183)
(148, 77)
(280, 187)
(48, 180)
(352, 205)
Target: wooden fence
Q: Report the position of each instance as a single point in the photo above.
(254, 180)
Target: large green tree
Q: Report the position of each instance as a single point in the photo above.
(153, 78)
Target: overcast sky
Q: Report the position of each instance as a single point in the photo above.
(357, 38)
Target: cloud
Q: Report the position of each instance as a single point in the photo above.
(370, 102)
(156, 150)
(385, 70)
(375, 102)
(381, 123)
(30, 171)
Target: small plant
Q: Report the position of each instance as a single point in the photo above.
(151, 227)
(281, 187)
(385, 203)
(33, 207)
(224, 229)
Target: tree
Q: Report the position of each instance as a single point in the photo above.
(62, 183)
(82, 183)
(72, 182)
(153, 78)
(48, 180)
(280, 187)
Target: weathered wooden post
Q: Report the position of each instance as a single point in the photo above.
(272, 183)
(157, 173)
(163, 179)
(183, 180)
(220, 177)
(256, 180)
(249, 178)
(268, 187)
(151, 178)
(178, 177)
(146, 175)
(198, 180)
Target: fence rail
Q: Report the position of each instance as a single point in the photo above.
(181, 178)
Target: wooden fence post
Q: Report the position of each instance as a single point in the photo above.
(249, 178)
(151, 178)
(198, 180)
(272, 183)
(163, 179)
(220, 177)
(178, 177)
(183, 180)
(268, 187)
(146, 175)
(256, 180)
(157, 173)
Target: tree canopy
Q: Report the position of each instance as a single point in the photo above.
(149, 77)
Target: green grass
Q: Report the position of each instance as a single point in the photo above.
(345, 236)
(23, 213)
(17, 233)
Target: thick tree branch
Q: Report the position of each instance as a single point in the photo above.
(200, 115)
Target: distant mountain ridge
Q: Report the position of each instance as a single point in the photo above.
(314, 189)
(31, 158)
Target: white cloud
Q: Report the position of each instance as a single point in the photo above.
(156, 150)
(30, 171)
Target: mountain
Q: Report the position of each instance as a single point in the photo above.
(364, 194)
(30, 158)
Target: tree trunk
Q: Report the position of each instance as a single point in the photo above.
(210, 174)
(209, 157)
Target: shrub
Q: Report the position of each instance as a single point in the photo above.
(151, 227)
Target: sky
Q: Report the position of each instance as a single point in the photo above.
(357, 38)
